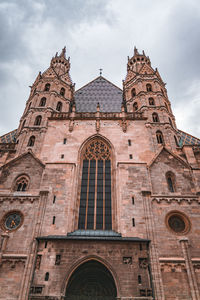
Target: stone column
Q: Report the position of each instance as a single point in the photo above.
(153, 250)
(4, 241)
(29, 267)
(190, 270)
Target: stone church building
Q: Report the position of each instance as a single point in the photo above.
(99, 192)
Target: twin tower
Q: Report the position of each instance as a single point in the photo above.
(99, 196)
(53, 95)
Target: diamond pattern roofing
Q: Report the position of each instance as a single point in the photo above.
(101, 91)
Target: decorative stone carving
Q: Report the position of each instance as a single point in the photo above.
(127, 260)
(143, 263)
(172, 267)
(20, 198)
(177, 199)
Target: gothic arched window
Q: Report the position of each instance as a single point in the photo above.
(170, 181)
(95, 211)
(62, 91)
(43, 101)
(135, 106)
(59, 106)
(133, 92)
(21, 184)
(159, 137)
(149, 87)
(155, 117)
(38, 120)
(47, 87)
(151, 101)
(31, 141)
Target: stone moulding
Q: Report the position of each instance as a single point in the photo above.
(102, 116)
(176, 199)
(13, 259)
(21, 199)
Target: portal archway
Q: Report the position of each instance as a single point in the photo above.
(91, 281)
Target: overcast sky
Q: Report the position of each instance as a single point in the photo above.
(100, 33)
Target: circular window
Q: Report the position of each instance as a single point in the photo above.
(12, 220)
(178, 222)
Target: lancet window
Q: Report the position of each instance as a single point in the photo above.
(95, 211)
(47, 87)
(149, 87)
(62, 91)
(31, 141)
(43, 101)
(21, 184)
(59, 106)
(155, 117)
(159, 137)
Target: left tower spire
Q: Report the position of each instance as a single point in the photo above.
(53, 90)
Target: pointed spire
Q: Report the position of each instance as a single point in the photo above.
(63, 52)
(136, 51)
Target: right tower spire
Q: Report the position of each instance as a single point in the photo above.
(144, 91)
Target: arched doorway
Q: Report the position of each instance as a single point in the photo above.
(91, 281)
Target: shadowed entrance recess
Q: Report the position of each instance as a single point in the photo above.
(91, 281)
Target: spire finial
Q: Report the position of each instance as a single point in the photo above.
(100, 71)
(135, 51)
(63, 52)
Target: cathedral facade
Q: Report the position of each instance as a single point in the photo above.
(99, 192)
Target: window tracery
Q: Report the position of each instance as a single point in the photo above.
(21, 184)
(95, 199)
(159, 136)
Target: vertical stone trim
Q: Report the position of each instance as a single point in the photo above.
(153, 251)
(190, 270)
(4, 240)
(29, 267)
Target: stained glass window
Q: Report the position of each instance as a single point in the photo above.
(95, 211)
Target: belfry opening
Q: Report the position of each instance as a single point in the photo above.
(91, 281)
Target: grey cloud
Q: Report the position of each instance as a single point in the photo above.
(98, 33)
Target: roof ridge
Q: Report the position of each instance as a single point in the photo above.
(95, 80)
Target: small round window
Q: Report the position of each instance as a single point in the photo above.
(12, 220)
(178, 222)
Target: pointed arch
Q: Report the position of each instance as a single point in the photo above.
(59, 106)
(38, 120)
(31, 141)
(62, 91)
(86, 259)
(95, 208)
(149, 87)
(47, 87)
(155, 117)
(43, 101)
(159, 136)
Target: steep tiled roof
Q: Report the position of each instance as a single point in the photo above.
(187, 139)
(99, 90)
(8, 137)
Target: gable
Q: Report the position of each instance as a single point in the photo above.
(99, 91)
(166, 156)
(166, 162)
(26, 164)
(146, 69)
